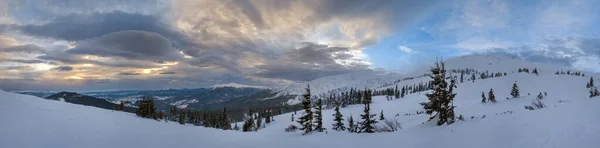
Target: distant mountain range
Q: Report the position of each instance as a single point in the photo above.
(239, 96)
(215, 98)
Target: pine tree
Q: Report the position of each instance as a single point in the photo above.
(225, 122)
(483, 99)
(461, 77)
(258, 122)
(306, 120)
(535, 71)
(381, 117)
(441, 99)
(367, 125)
(396, 92)
(267, 117)
(318, 118)
(473, 77)
(515, 91)
(121, 106)
(591, 83)
(338, 118)
(403, 92)
(351, 126)
(181, 119)
(491, 96)
(235, 127)
(249, 123)
(146, 108)
(540, 96)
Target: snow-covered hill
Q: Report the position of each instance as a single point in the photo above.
(363, 79)
(570, 118)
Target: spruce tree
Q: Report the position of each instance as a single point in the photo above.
(540, 96)
(515, 91)
(491, 96)
(258, 122)
(225, 122)
(338, 118)
(306, 120)
(351, 126)
(181, 119)
(267, 117)
(442, 96)
(249, 123)
(318, 118)
(146, 108)
(473, 77)
(591, 83)
(381, 117)
(367, 125)
(403, 92)
(483, 99)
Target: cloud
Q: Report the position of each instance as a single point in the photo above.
(29, 48)
(129, 73)
(64, 68)
(405, 49)
(249, 42)
(576, 52)
(168, 73)
(138, 45)
(310, 62)
(23, 61)
(75, 27)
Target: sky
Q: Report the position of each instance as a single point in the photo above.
(86, 45)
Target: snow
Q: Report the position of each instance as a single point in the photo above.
(361, 79)
(569, 120)
(236, 85)
(61, 99)
(183, 103)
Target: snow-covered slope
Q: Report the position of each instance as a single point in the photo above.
(236, 85)
(363, 79)
(570, 120)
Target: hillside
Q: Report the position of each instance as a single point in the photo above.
(76, 98)
(567, 123)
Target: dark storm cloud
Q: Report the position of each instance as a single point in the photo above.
(64, 68)
(75, 27)
(138, 45)
(310, 62)
(29, 48)
(24, 61)
(168, 73)
(129, 73)
(252, 12)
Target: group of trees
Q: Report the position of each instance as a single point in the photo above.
(569, 72)
(491, 97)
(212, 119)
(254, 118)
(312, 119)
(146, 108)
